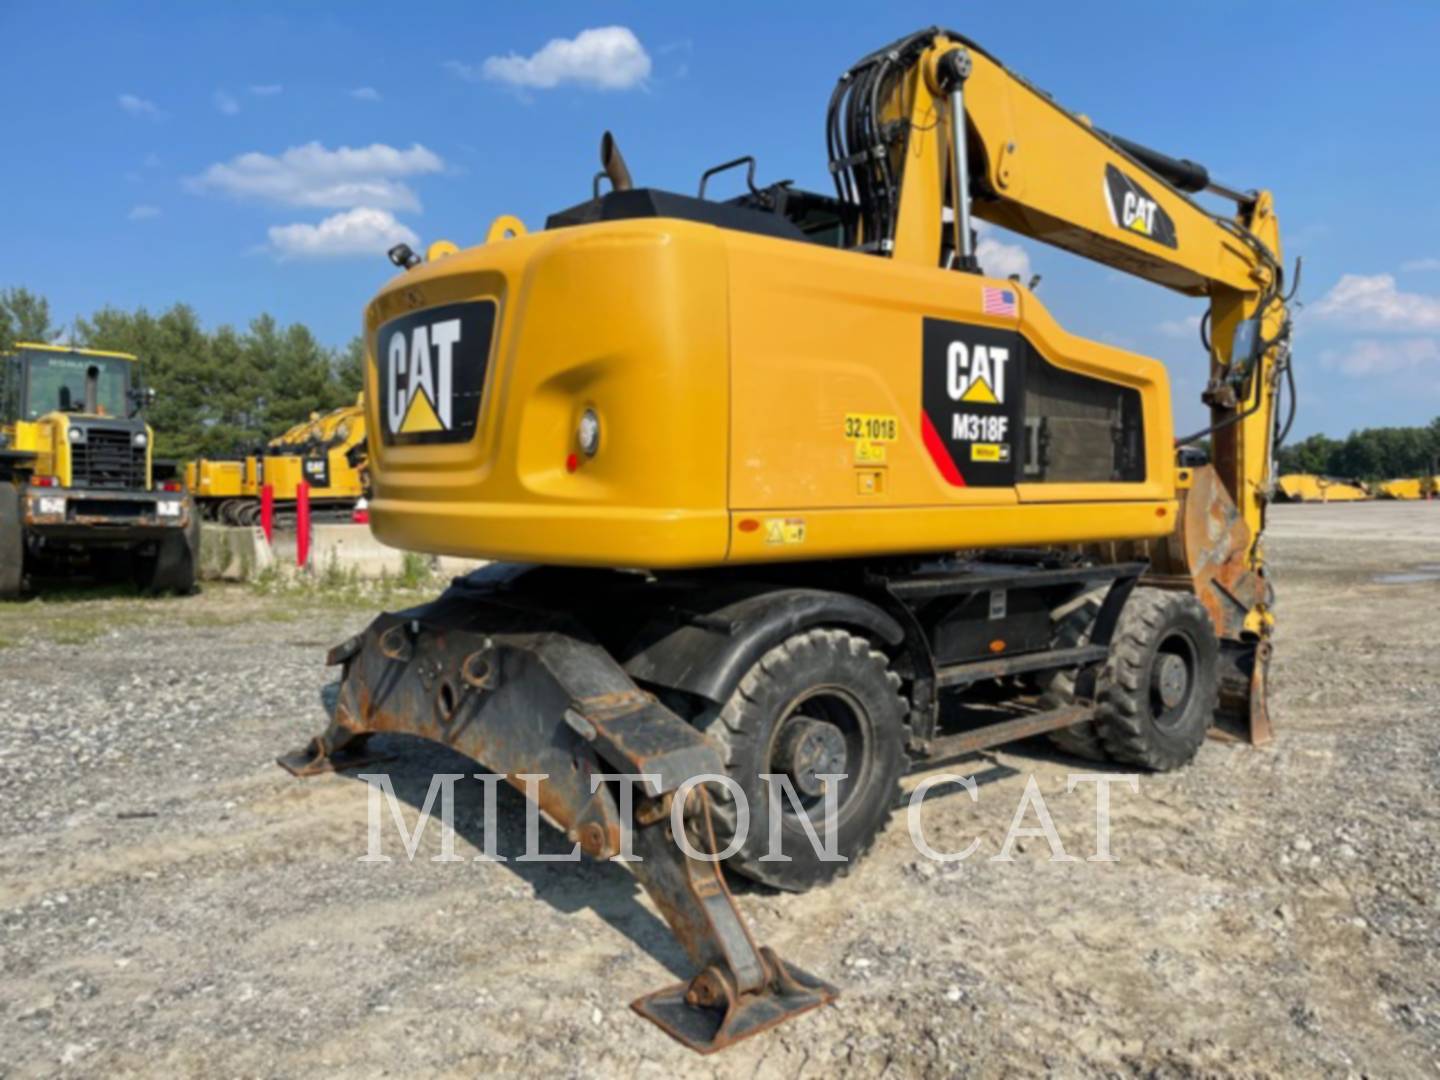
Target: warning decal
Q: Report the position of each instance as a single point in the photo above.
(869, 432)
(973, 401)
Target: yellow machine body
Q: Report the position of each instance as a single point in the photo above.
(1305, 487)
(825, 403)
(48, 436)
(206, 478)
(757, 399)
(1410, 488)
(667, 385)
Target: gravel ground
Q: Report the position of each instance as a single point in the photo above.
(171, 902)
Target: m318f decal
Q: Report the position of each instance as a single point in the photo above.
(973, 398)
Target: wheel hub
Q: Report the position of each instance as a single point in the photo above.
(810, 749)
(1170, 679)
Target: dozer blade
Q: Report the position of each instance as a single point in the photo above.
(524, 690)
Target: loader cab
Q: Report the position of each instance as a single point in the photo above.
(43, 379)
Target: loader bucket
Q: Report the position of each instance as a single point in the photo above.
(525, 690)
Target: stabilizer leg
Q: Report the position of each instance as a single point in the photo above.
(527, 694)
(742, 989)
(319, 756)
(1261, 732)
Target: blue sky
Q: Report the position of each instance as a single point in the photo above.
(193, 152)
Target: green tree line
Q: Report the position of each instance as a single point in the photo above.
(217, 391)
(1386, 453)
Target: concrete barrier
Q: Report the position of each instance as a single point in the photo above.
(350, 551)
(354, 550)
(233, 554)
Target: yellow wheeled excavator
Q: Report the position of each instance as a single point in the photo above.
(771, 477)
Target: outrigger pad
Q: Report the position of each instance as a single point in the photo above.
(708, 1028)
(313, 759)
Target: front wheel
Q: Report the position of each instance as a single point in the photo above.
(1160, 686)
(174, 565)
(12, 542)
(821, 702)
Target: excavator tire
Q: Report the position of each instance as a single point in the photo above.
(12, 542)
(820, 701)
(1080, 740)
(1160, 688)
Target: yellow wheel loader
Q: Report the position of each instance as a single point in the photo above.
(79, 486)
(771, 478)
(328, 452)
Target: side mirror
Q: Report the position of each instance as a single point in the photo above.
(141, 398)
(1247, 346)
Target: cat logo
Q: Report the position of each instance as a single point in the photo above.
(432, 371)
(976, 374)
(420, 374)
(1132, 208)
(972, 401)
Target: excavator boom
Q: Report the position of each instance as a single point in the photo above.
(907, 120)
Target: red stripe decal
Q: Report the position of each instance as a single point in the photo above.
(938, 452)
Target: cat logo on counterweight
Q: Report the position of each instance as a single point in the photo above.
(431, 367)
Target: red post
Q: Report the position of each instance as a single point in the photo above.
(267, 511)
(302, 524)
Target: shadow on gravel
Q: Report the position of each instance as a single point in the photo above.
(604, 887)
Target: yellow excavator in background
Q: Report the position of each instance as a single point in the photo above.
(1305, 487)
(1424, 487)
(328, 452)
(859, 477)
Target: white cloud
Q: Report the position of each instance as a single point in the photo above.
(138, 106)
(267, 89)
(226, 103)
(1187, 327)
(1374, 301)
(365, 93)
(311, 175)
(1413, 265)
(997, 258)
(602, 58)
(1370, 357)
(140, 213)
(360, 232)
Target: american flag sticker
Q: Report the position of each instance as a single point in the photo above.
(995, 301)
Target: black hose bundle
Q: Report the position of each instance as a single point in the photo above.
(862, 145)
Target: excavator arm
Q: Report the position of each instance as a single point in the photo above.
(933, 114)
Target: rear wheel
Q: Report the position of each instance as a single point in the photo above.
(821, 702)
(1159, 689)
(12, 542)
